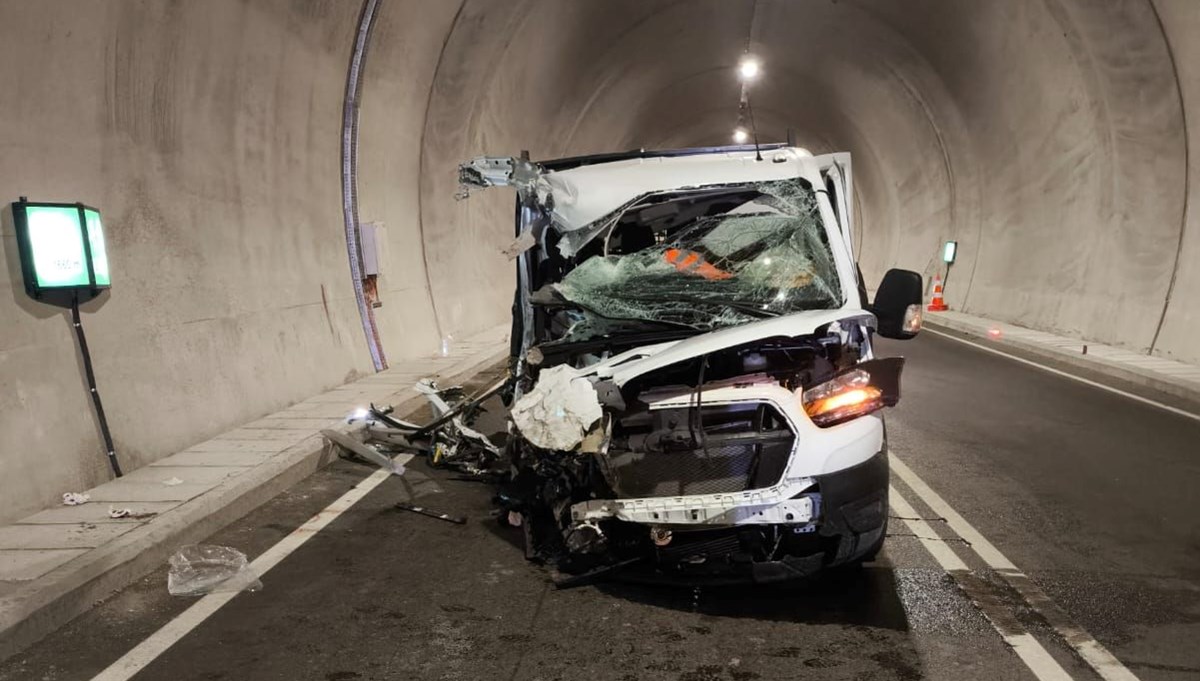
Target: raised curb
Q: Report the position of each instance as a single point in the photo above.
(52, 600)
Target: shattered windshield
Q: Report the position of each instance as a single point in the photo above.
(709, 259)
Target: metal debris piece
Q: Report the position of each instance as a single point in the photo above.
(394, 465)
(593, 576)
(449, 440)
(385, 416)
(422, 510)
(76, 498)
(499, 171)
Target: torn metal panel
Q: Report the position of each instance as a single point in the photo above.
(394, 465)
(769, 508)
(499, 171)
(585, 194)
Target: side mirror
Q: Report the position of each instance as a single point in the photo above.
(898, 304)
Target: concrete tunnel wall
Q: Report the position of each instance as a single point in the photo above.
(1050, 137)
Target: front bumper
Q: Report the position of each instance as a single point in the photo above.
(850, 526)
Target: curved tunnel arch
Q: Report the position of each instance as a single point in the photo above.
(993, 125)
(1049, 137)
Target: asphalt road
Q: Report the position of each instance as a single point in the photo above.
(1090, 494)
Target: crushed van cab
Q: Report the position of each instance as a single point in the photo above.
(694, 394)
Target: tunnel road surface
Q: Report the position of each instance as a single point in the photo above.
(1041, 528)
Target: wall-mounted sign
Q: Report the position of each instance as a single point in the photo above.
(61, 246)
(949, 252)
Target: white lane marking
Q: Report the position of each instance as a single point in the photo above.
(158, 642)
(1096, 655)
(1073, 377)
(1031, 652)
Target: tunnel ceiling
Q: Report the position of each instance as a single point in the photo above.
(1046, 136)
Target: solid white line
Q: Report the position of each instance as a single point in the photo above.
(1031, 652)
(943, 554)
(1073, 377)
(154, 645)
(1096, 655)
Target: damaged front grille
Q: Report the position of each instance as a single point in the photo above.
(716, 449)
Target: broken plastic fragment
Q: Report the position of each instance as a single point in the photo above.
(522, 243)
(76, 498)
(202, 569)
(171, 482)
(558, 411)
(119, 513)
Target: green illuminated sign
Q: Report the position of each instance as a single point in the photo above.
(95, 233)
(61, 247)
(949, 252)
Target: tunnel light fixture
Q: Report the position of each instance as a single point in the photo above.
(740, 135)
(748, 68)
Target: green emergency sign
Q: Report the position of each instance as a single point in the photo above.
(61, 247)
(949, 251)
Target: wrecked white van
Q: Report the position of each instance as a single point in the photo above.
(694, 395)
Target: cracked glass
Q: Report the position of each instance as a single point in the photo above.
(753, 251)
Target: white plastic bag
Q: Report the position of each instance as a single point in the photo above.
(201, 569)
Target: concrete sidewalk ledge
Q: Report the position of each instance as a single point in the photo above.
(55, 564)
(1163, 375)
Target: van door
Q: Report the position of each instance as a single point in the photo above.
(839, 183)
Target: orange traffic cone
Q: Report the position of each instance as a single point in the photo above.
(937, 304)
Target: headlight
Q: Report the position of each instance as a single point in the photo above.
(847, 396)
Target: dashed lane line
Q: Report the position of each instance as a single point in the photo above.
(158, 642)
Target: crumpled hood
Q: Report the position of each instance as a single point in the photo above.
(628, 365)
(585, 194)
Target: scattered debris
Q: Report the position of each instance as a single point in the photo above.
(201, 569)
(449, 440)
(394, 465)
(171, 482)
(457, 520)
(76, 498)
(595, 575)
(522, 243)
(119, 513)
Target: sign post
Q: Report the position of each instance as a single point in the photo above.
(949, 251)
(63, 260)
